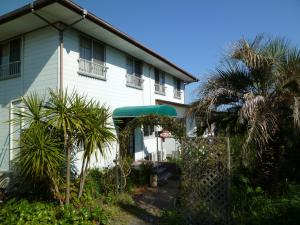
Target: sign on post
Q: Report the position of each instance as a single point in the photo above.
(164, 134)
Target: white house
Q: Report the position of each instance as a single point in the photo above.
(58, 44)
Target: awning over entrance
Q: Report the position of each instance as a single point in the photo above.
(136, 111)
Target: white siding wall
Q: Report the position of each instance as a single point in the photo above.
(39, 71)
(114, 92)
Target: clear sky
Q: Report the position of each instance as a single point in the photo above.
(193, 33)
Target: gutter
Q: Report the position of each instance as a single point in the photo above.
(79, 10)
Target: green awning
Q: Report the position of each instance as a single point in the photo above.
(136, 111)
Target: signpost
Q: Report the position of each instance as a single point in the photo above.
(163, 134)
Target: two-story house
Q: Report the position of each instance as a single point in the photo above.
(58, 44)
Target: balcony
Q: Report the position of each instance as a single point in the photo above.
(177, 93)
(92, 69)
(134, 81)
(10, 70)
(160, 89)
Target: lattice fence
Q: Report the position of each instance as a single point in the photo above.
(205, 181)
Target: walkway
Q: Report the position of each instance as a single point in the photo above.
(151, 203)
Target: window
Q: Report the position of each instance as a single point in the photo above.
(134, 73)
(92, 58)
(10, 59)
(177, 88)
(159, 82)
(177, 84)
(148, 130)
(134, 66)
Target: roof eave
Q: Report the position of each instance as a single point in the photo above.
(78, 9)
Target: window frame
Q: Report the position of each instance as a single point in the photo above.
(161, 76)
(149, 128)
(177, 84)
(134, 76)
(19, 66)
(161, 81)
(88, 74)
(177, 88)
(134, 62)
(92, 47)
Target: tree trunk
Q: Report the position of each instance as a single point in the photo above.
(82, 182)
(57, 192)
(81, 179)
(68, 175)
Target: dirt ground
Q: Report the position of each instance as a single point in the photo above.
(150, 203)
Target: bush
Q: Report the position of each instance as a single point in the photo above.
(172, 217)
(25, 212)
(141, 176)
(100, 181)
(252, 206)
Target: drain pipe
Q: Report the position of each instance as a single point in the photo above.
(61, 60)
(61, 40)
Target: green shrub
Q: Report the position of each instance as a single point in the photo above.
(141, 175)
(25, 212)
(100, 181)
(172, 217)
(252, 206)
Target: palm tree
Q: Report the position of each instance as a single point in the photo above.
(97, 136)
(257, 82)
(63, 113)
(40, 157)
(54, 128)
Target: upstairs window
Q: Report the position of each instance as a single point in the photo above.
(177, 88)
(159, 82)
(177, 83)
(92, 50)
(134, 69)
(10, 59)
(92, 58)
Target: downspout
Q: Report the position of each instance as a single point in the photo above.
(61, 60)
(61, 40)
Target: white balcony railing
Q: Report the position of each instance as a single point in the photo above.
(160, 89)
(134, 81)
(92, 69)
(177, 93)
(10, 70)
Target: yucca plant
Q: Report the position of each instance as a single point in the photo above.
(40, 156)
(65, 114)
(53, 131)
(97, 136)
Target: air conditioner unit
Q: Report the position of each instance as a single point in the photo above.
(161, 155)
(151, 156)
